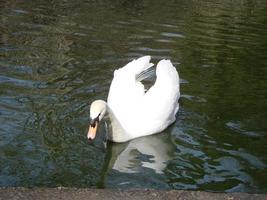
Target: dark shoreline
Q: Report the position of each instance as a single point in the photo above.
(12, 193)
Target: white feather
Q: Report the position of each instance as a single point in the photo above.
(134, 112)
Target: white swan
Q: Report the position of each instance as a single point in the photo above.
(133, 112)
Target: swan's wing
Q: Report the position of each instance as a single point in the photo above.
(126, 87)
(161, 100)
(147, 78)
(137, 66)
(148, 73)
(167, 75)
(167, 81)
(144, 113)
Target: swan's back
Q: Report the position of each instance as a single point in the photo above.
(143, 113)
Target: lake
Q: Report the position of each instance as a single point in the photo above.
(56, 57)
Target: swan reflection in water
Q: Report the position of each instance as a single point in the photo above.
(151, 152)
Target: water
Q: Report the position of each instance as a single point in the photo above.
(57, 57)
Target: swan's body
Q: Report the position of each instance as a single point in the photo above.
(134, 112)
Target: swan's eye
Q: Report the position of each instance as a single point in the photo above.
(94, 121)
(92, 124)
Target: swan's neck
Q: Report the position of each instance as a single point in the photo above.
(118, 134)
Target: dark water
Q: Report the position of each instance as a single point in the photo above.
(58, 56)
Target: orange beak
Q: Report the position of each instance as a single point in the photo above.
(92, 131)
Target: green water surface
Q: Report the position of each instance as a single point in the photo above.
(56, 57)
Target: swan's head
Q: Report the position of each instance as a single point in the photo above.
(97, 111)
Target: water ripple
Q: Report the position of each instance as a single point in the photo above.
(56, 58)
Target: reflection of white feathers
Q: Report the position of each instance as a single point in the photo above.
(134, 112)
(154, 148)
